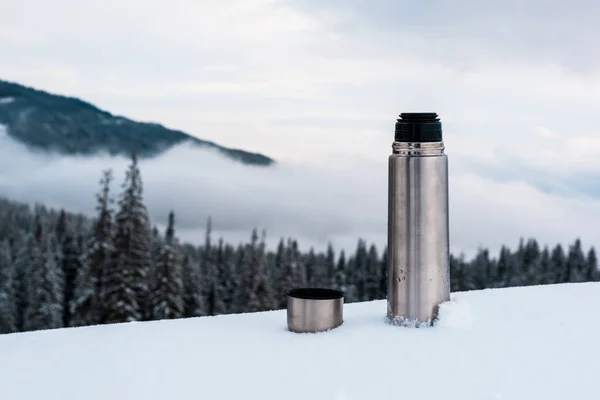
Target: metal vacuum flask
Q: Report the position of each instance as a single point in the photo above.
(418, 233)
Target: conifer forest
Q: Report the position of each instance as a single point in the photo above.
(59, 269)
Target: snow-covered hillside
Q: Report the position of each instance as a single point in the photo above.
(517, 343)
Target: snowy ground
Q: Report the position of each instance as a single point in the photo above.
(520, 343)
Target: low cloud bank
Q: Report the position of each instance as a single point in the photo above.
(313, 205)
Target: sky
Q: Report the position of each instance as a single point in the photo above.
(317, 85)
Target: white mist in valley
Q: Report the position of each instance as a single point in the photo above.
(315, 205)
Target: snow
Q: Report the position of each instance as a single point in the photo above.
(517, 343)
(6, 100)
(2, 131)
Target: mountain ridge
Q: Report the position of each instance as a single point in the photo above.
(71, 126)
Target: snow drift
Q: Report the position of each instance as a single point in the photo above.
(517, 343)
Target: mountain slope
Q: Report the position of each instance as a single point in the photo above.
(67, 125)
(518, 343)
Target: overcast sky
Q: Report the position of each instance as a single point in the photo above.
(318, 84)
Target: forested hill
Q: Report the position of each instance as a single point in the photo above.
(70, 126)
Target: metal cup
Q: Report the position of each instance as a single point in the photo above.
(314, 309)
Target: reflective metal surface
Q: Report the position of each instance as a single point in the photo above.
(314, 309)
(418, 233)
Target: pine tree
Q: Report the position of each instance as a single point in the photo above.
(168, 290)
(255, 292)
(383, 281)
(322, 279)
(294, 273)
(278, 269)
(576, 264)
(531, 263)
(507, 269)
(358, 272)
(45, 306)
(70, 263)
(157, 244)
(481, 269)
(209, 273)
(87, 304)
(546, 267)
(462, 277)
(23, 251)
(592, 266)
(193, 299)
(221, 275)
(8, 307)
(330, 266)
(339, 280)
(226, 279)
(126, 290)
(311, 268)
(373, 278)
(321, 270)
(238, 290)
(559, 261)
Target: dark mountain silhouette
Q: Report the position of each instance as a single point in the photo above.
(70, 126)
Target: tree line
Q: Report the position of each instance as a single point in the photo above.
(59, 269)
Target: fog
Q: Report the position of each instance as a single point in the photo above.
(315, 204)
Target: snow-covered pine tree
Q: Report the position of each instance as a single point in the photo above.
(350, 286)
(157, 243)
(126, 287)
(45, 306)
(293, 274)
(546, 268)
(456, 272)
(70, 263)
(339, 279)
(531, 263)
(8, 309)
(559, 262)
(255, 292)
(317, 270)
(383, 277)
(576, 265)
(23, 252)
(168, 290)
(321, 273)
(87, 307)
(229, 277)
(358, 272)
(209, 273)
(592, 266)
(373, 277)
(278, 269)
(330, 266)
(238, 291)
(221, 275)
(482, 269)
(270, 266)
(193, 298)
(311, 268)
(507, 268)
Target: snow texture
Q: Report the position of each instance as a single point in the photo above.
(6, 100)
(2, 131)
(517, 343)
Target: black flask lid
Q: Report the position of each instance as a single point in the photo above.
(418, 127)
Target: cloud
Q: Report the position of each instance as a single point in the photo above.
(313, 205)
(469, 33)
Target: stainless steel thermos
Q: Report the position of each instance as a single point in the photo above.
(418, 232)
